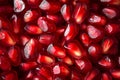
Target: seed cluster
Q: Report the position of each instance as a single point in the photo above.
(59, 39)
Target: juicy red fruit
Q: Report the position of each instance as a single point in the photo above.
(59, 40)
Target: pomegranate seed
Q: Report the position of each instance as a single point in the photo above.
(29, 49)
(94, 33)
(61, 30)
(34, 3)
(44, 71)
(70, 31)
(30, 75)
(38, 78)
(14, 55)
(6, 38)
(68, 60)
(65, 11)
(28, 65)
(112, 2)
(59, 39)
(85, 39)
(12, 75)
(76, 51)
(19, 5)
(5, 64)
(112, 28)
(33, 29)
(57, 19)
(106, 62)
(45, 59)
(56, 51)
(110, 13)
(24, 39)
(84, 65)
(79, 13)
(61, 69)
(115, 73)
(108, 45)
(30, 15)
(63, 1)
(4, 23)
(95, 51)
(106, 76)
(16, 21)
(50, 6)
(46, 39)
(92, 75)
(97, 20)
(46, 25)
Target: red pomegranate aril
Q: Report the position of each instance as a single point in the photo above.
(59, 40)
(34, 3)
(46, 59)
(5, 63)
(66, 12)
(16, 22)
(106, 76)
(30, 49)
(6, 38)
(30, 15)
(115, 73)
(106, 62)
(112, 28)
(19, 6)
(46, 39)
(61, 70)
(85, 39)
(14, 55)
(4, 23)
(71, 31)
(50, 6)
(111, 2)
(33, 29)
(45, 72)
(38, 78)
(56, 51)
(29, 75)
(84, 65)
(80, 13)
(68, 60)
(110, 13)
(95, 51)
(75, 50)
(24, 39)
(28, 66)
(12, 75)
(46, 25)
(61, 30)
(64, 1)
(97, 20)
(92, 75)
(57, 19)
(109, 45)
(95, 33)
